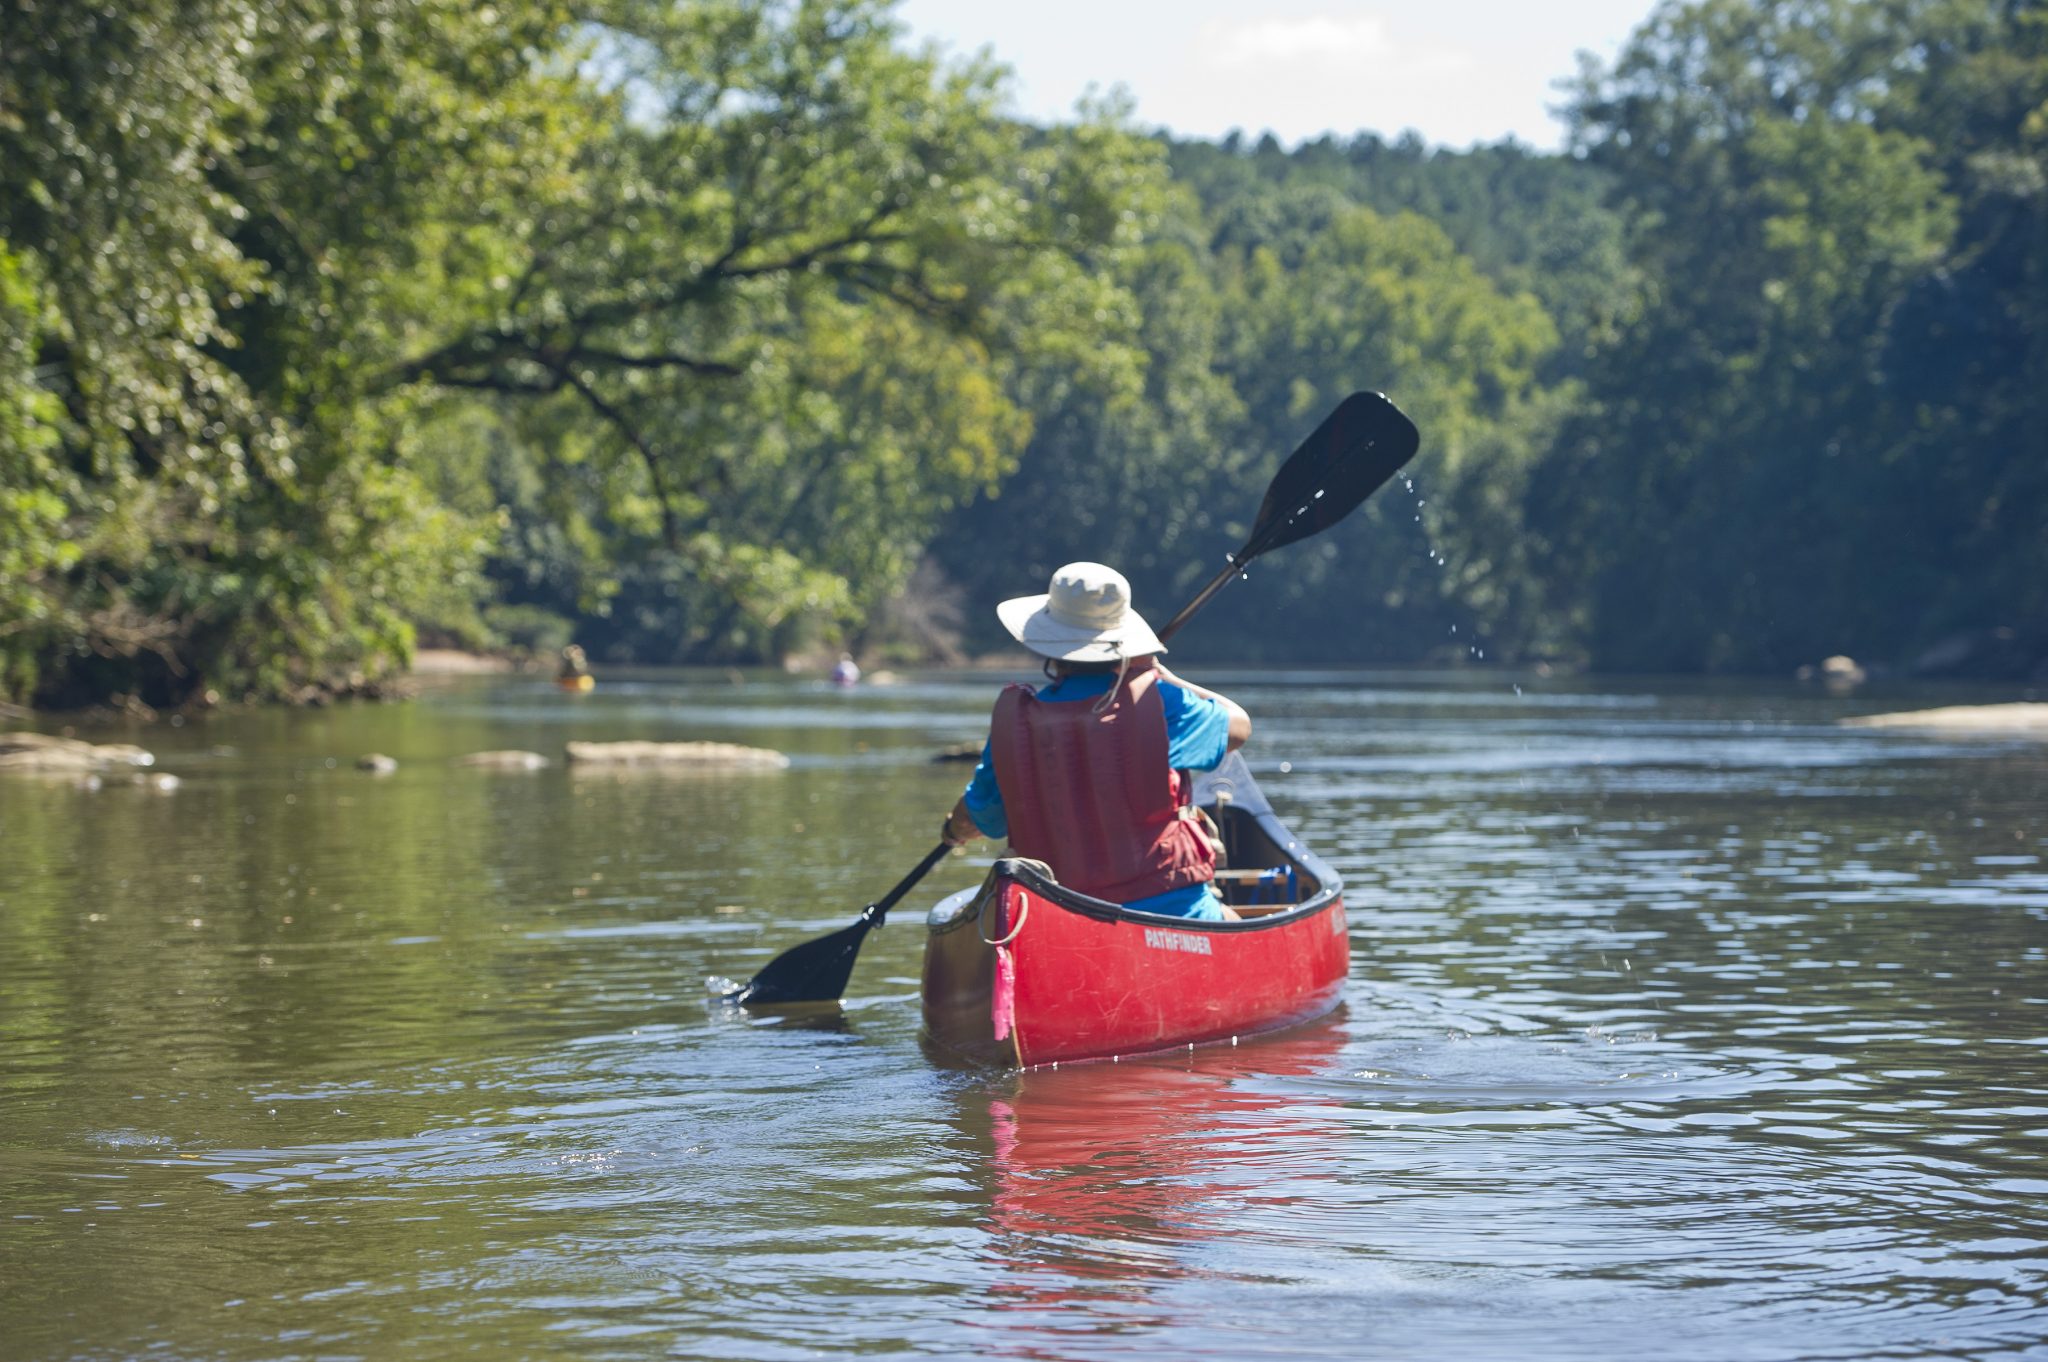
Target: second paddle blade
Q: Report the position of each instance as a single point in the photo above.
(1356, 449)
(814, 972)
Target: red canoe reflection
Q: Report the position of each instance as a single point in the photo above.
(1106, 1174)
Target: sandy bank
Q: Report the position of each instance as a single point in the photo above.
(450, 662)
(1989, 720)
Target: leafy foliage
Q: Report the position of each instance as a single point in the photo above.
(263, 255)
(1822, 431)
(1259, 315)
(705, 328)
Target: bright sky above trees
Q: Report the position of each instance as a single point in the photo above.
(1457, 71)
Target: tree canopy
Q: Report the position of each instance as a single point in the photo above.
(695, 332)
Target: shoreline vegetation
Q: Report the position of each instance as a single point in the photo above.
(738, 333)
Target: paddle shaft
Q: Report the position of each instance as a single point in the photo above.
(817, 971)
(1358, 447)
(875, 912)
(879, 910)
(1233, 567)
(1344, 460)
(1187, 612)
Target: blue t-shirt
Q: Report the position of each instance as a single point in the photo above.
(1197, 739)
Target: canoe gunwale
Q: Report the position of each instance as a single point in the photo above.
(1087, 980)
(1330, 889)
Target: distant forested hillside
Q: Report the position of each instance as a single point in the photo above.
(1757, 373)
(721, 331)
(1470, 286)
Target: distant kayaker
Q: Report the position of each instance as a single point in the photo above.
(1086, 773)
(845, 672)
(573, 664)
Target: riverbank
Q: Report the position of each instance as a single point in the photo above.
(455, 662)
(2017, 719)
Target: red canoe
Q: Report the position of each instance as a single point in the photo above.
(1024, 971)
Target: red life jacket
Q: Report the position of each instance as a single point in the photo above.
(1090, 793)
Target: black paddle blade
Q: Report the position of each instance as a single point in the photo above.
(815, 972)
(1351, 454)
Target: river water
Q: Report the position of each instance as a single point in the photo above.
(1682, 1023)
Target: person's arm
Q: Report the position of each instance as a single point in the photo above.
(1240, 722)
(959, 829)
(979, 810)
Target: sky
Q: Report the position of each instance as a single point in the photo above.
(1457, 71)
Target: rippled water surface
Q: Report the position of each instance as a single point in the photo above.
(1682, 1023)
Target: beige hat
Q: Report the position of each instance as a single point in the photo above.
(1086, 617)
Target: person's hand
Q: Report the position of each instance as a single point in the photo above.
(957, 831)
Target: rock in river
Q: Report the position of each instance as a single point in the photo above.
(40, 752)
(376, 763)
(504, 761)
(721, 756)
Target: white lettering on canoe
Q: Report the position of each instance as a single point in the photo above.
(1193, 943)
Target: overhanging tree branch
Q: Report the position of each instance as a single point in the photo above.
(671, 532)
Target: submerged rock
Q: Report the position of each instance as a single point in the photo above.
(723, 756)
(1989, 720)
(504, 761)
(959, 751)
(1839, 673)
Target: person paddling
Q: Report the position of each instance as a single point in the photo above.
(1088, 772)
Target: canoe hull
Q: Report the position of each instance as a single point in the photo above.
(1085, 988)
(1091, 980)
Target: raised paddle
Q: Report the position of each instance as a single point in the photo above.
(1345, 460)
(1350, 455)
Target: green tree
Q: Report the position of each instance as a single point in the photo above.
(744, 287)
(1763, 473)
(1258, 321)
(232, 208)
(796, 287)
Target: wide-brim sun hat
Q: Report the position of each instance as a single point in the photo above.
(1085, 617)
